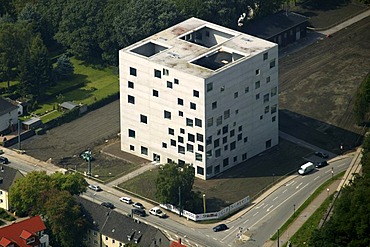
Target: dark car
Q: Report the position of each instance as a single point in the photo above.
(3, 160)
(322, 155)
(220, 227)
(138, 211)
(321, 164)
(107, 205)
(138, 205)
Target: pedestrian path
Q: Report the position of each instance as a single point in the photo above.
(143, 168)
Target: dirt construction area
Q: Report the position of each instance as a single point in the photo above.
(317, 88)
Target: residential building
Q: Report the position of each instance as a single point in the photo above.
(25, 233)
(8, 176)
(8, 115)
(199, 93)
(112, 229)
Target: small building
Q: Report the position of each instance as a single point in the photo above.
(69, 106)
(29, 232)
(283, 27)
(32, 123)
(8, 176)
(8, 115)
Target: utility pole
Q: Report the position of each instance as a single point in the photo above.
(278, 238)
(180, 201)
(19, 135)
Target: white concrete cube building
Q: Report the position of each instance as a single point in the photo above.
(201, 94)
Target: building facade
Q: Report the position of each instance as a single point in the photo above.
(201, 94)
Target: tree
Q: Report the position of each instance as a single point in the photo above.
(74, 183)
(362, 101)
(64, 68)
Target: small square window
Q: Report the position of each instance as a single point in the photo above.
(266, 98)
(164, 145)
(240, 128)
(225, 162)
(193, 106)
(268, 79)
(190, 148)
(180, 139)
(232, 145)
(181, 149)
(214, 105)
(200, 148)
(200, 170)
(198, 122)
(209, 122)
(132, 71)
(131, 99)
(222, 88)
(219, 132)
(235, 95)
(157, 73)
(196, 93)
(143, 119)
(257, 84)
(244, 156)
(131, 133)
(246, 139)
(199, 137)
(191, 137)
(258, 72)
(173, 143)
(272, 64)
(171, 131)
(235, 158)
(132, 148)
(180, 101)
(182, 131)
(198, 156)
(216, 143)
(155, 93)
(240, 137)
(130, 84)
(144, 150)
(273, 109)
(265, 56)
(209, 140)
(257, 96)
(218, 152)
(167, 114)
(232, 133)
(225, 129)
(209, 86)
(236, 111)
(224, 140)
(226, 114)
(166, 72)
(189, 122)
(169, 84)
(181, 114)
(176, 81)
(273, 119)
(261, 117)
(219, 121)
(226, 147)
(267, 109)
(246, 90)
(273, 91)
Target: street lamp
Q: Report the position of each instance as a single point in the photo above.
(294, 209)
(328, 191)
(204, 203)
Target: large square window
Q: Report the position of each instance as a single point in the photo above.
(191, 137)
(167, 114)
(199, 137)
(180, 101)
(131, 99)
(190, 148)
(169, 84)
(143, 119)
(130, 84)
(196, 93)
(144, 150)
(155, 93)
(193, 106)
(200, 170)
(198, 122)
(209, 86)
(214, 105)
(157, 73)
(171, 131)
(132, 71)
(181, 149)
(189, 122)
(131, 133)
(272, 64)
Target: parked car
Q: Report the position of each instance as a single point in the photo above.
(220, 227)
(138, 211)
(157, 212)
(107, 205)
(321, 164)
(321, 154)
(95, 187)
(126, 200)
(3, 160)
(138, 205)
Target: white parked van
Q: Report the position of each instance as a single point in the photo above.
(306, 168)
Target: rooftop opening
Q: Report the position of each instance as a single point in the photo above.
(207, 36)
(149, 49)
(217, 59)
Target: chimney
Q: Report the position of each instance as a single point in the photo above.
(179, 240)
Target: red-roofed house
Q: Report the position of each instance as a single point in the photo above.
(26, 233)
(177, 244)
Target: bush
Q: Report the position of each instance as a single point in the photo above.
(4, 215)
(40, 131)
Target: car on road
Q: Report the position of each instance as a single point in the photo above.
(95, 187)
(157, 212)
(138, 205)
(220, 227)
(3, 160)
(125, 199)
(321, 154)
(321, 164)
(107, 205)
(138, 211)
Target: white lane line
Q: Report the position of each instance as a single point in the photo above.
(246, 221)
(285, 191)
(275, 198)
(290, 183)
(269, 208)
(316, 178)
(259, 205)
(298, 185)
(231, 232)
(327, 171)
(207, 236)
(255, 214)
(265, 206)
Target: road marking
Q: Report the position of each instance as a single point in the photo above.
(255, 214)
(229, 233)
(207, 236)
(298, 185)
(316, 178)
(265, 206)
(246, 221)
(269, 208)
(260, 205)
(215, 238)
(275, 198)
(290, 183)
(327, 171)
(285, 191)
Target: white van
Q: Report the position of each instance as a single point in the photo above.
(126, 200)
(306, 168)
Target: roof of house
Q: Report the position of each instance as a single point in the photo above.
(7, 177)
(177, 244)
(118, 226)
(6, 106)
(69, 105)
(31, 121)
(20, 231)
(272, 25)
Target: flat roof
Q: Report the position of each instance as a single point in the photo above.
(198, 47)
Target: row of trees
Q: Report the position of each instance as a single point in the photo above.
(350, 223)
(52, 197)
(362, 99)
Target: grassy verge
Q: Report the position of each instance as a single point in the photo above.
(306, 203)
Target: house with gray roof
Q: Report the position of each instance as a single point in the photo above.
(8, 115)
(8, 176)
(112, 229)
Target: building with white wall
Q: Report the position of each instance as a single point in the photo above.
(199, 93)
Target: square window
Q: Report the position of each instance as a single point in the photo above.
(216, 143)
(232, 145)
(171, 131)
(209, 86)
(181, 114)
(273, 91)
(198, 122)
(191, 137)
(209, 140)
(166, 72)
(132, 71)
(257, 96)
(173, 143)
(131, 99)
(182, 131)
(222, 88)
(257, 84)
(132, 148)
(144, 150)
(143, 119)
(272, 64)
(200, 170)
(198, 157)
(180, 139)
(189, 122)
(218, 152)
(210, 122)
(226, 114)
(200, 148)
(261, 117)
(273, 109)
(225, 162)
(169, 84)
(199, 137)
(193, 106)
(131, 133)
(244, 156)
(164, 145)
(268, 144)
(226, 147)
(219, 120)
(246, 90)
(240, 137)
(225, 129)
(196, 93)
(268, 79)
(266, 98)
(258, 72)
(246, 139)
(240, 128)
(265, 56)
(209, 154)
(167, 114)
(273, 119)
(214, 105)
(219, 132)
(235, 158)
(267, 109)
(181, 149)
(180, 101)
(236, 111)
(224, 140)
(190, 148)
(130, 84)
(157, 73)
(235, 95)
(176, 81)
(155, 93)
(232, 133)
(181, 162)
